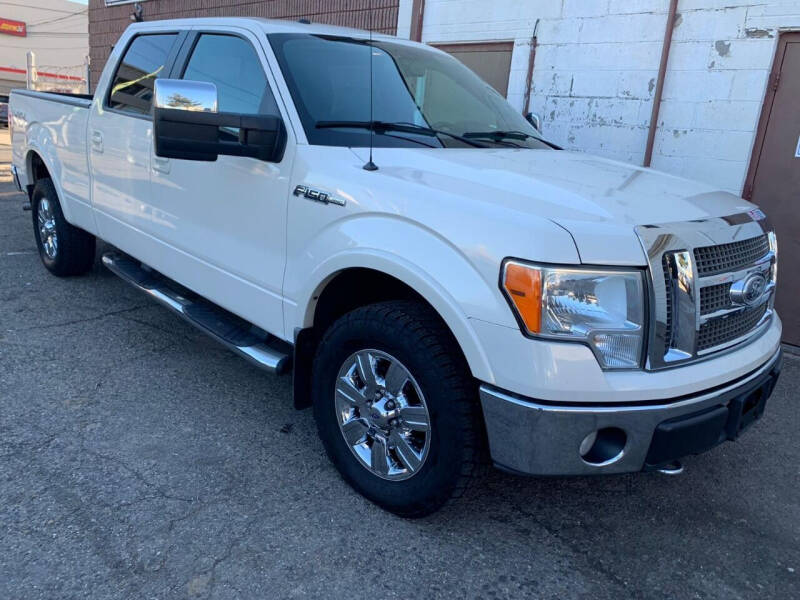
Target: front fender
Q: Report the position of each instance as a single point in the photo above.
(439, 272)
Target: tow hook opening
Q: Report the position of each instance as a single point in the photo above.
(603, 447)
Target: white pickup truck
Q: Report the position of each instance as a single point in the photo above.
(445, 285)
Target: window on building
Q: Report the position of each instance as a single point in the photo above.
(144, 62)
(231, 64)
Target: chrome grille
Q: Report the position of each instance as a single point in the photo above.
(728, 328)
(711, 260)
(668, 296)
(693, 314)
(714, 298)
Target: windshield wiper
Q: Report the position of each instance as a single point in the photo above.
(499, 135)
(380, 127)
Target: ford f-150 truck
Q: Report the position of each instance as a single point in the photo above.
(448, 288)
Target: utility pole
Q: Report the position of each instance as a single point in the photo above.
(88, 63)
(30, 70)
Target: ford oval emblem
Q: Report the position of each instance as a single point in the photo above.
(748, 291)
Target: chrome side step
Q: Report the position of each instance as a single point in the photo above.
(243, 338)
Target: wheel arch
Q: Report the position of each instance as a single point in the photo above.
(35, 169)
(35, 165)
(334, 296)
(41, 161)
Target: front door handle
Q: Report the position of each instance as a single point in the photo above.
(97, 141)
(162, 165)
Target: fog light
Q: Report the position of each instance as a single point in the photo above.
(603, 447)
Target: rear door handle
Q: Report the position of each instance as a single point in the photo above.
(97, 142)
(162, 165)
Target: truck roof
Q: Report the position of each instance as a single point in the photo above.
(268, 25)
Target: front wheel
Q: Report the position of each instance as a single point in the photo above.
(396, 407)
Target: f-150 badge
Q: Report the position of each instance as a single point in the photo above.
(316, 195)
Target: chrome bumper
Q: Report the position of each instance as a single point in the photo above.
(15, 176)
(534, 438)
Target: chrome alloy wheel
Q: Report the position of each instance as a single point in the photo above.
(47, 228)
(382, 414)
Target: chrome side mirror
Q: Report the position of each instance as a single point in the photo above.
(187, 125)
(534, 119)
(181, 94)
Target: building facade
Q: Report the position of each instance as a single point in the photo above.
(56, 31)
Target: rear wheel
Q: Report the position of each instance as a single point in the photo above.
(396, 407)
(64, 249)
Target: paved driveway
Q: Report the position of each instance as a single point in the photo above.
(138, 459)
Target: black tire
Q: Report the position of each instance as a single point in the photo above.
(75, 250)
(414, 334)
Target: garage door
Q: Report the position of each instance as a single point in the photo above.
(491, 61)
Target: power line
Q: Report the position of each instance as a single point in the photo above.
(36, 7)
(69, 16)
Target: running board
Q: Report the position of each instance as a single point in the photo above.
(243, 338)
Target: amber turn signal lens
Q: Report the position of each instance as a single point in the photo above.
(524, 288)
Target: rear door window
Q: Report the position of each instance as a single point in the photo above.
(144, 61)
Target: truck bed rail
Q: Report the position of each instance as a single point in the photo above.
(82, 100)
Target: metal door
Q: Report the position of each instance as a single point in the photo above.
(774, 178)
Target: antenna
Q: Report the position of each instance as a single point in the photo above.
(370, 166)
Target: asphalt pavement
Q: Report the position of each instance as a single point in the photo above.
(139, 459)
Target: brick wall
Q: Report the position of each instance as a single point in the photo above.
(106, 24)
(596, 67)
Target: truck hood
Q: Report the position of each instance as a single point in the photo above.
(599, 201)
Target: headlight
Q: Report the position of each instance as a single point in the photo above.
(603, 308)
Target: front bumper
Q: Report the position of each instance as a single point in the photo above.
(546, 438)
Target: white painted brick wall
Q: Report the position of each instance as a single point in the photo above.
(597, 63)
(404, 19)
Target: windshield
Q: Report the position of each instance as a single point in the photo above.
(329, 76)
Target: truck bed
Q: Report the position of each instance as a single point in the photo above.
(54, 126)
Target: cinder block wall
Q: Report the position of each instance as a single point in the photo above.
(106, 23)
(596, 67)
